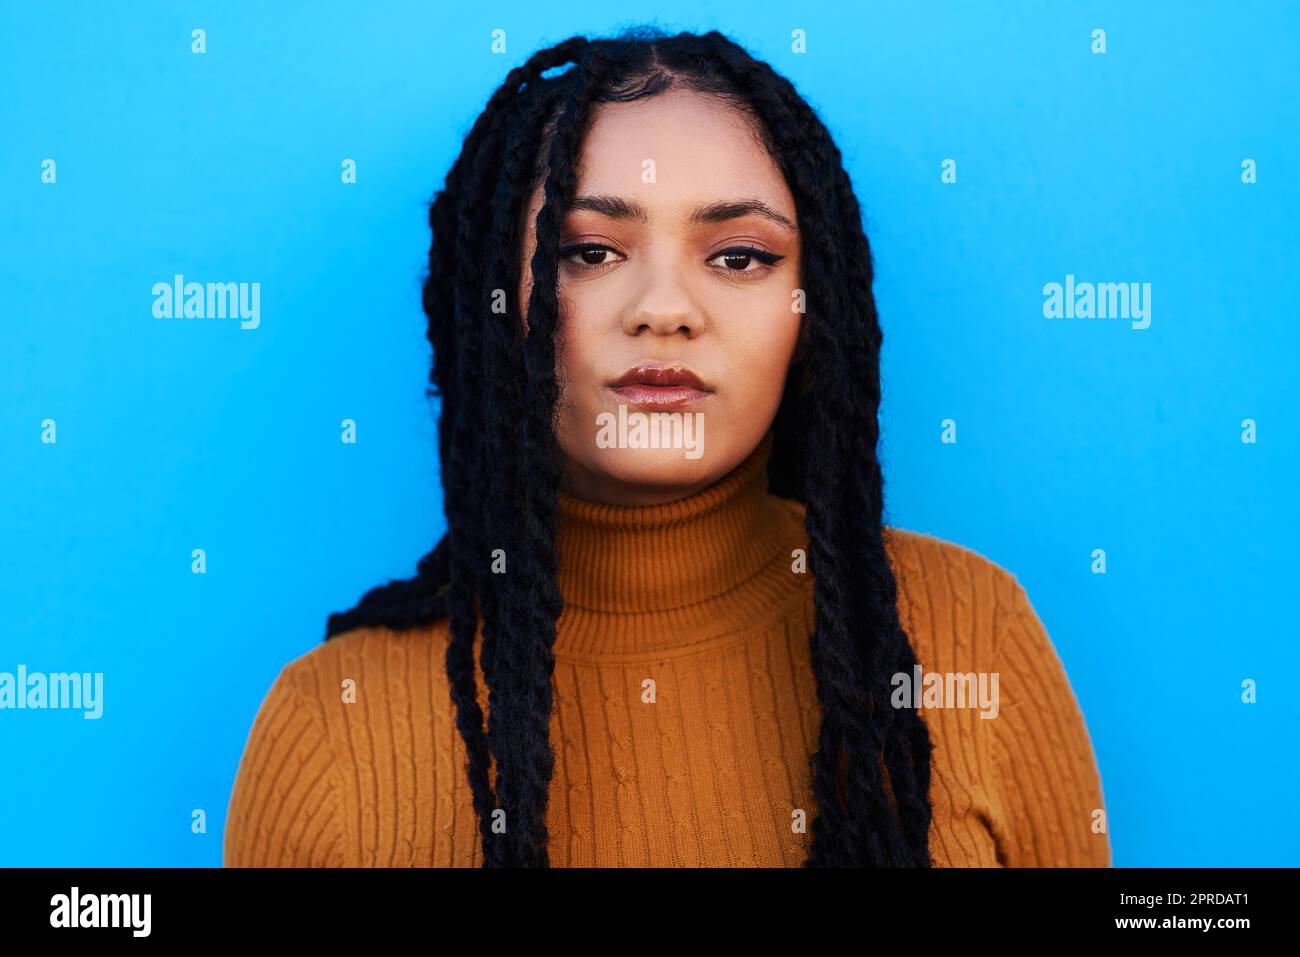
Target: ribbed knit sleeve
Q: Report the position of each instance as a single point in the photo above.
(1049, 785)
(284, 809)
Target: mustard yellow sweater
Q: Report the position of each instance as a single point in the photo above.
(685, 711)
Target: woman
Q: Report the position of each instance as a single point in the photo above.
(665, 626)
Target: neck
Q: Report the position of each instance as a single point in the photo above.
(662, 577)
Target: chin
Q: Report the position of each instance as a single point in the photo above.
(658, 468)
(635, 476)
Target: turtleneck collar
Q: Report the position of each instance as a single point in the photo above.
(667, 577)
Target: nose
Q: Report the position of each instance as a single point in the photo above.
(664, 306)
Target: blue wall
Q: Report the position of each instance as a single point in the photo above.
(1072, 434)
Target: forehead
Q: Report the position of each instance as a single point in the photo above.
(673, 150)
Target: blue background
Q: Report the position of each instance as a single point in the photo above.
(1072, 435)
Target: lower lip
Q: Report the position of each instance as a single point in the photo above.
(660, 397)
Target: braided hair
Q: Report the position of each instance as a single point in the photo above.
(500, 468)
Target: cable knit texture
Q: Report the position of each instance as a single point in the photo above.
(685, 711)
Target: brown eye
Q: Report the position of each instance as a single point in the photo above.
(738, 259)
(587, 255)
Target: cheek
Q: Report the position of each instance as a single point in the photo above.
(579, 337)
(577, 356)
(582, 350)
(760, 356)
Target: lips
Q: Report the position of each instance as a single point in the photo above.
(660, 387)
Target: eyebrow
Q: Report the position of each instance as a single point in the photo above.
(616, 207)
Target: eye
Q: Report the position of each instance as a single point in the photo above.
(592, 255)
(738, 259)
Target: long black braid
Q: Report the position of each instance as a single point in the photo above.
(500, 465)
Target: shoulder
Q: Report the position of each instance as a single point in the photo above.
(955, 602)
(926, 564)
(929, 567)
(961, 573)
(379, 658)
(947, 592)
(919, 551)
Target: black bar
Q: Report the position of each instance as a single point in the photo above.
(303, 906)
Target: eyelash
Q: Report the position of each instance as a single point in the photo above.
(768, 259)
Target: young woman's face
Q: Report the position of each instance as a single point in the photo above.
(678, 279)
